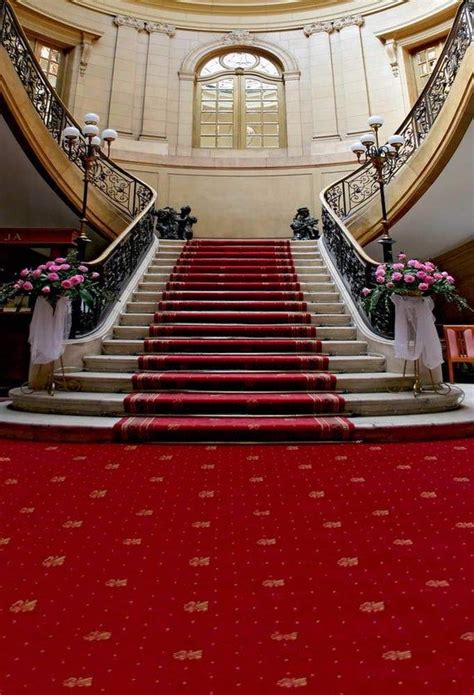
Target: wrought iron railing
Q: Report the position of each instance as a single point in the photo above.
(343, 198)
(132, 197)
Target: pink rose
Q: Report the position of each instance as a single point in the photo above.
(94, 276)
(36, 273)
(423, 286)
(366, 292)
(54, 267)
(402, 256)
(83, 268)
(42, 267)
(380, 269)
(27, 286)
(24, 273)
(76, 279)
(66, 284)
(53, 276)
(421, 275)
(438, 276)
(380, 279)
(49, 264)
(450, 279)
(396, 276)
(64, 266)
(390, 285)
(79, 278)
(398, 266)
(60, 260)
(413, 263)
(429, 267)
(46, 289)
(18, 285)
(429, 280)
(409, 278)
(444, 274)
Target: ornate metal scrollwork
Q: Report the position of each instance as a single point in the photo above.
(122, 189)
(354, 191)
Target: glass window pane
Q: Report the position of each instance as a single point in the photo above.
(270, 94)
(225, 117)
(44, 64)
(270, 117)
(268, 67)
(44, 52)
(208, 117)
(52, 80)
(271, 129)
(238, 59)
(224, 142)
(208, 142)
(211, 67)
(254, 118)
(270, 142)
(254, 141)
(208, 129)
(225, 106)
(53, 69)
(270, 106)
(224, 129)
(209, 91)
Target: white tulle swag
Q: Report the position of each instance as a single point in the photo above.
(415, 332)
(49, 328)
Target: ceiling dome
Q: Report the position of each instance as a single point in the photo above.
(244, 7)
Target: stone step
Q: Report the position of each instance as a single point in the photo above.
(360, 382)
(148, 307)
(161, 265)
(257, 295)
(357, 404)
(305, 286)
(137, 331)
(337, 364)
(344, 346)
(303, 278)
(320, 307)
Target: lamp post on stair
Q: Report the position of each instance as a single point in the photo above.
(92, 143)
(382, 158)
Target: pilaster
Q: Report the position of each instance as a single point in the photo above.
(156, 80)
(323, 96)
(122, 92)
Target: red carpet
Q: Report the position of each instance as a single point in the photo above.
(225, 570)
(225, 334)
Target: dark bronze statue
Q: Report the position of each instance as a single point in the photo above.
(304, 226)
(171, 224)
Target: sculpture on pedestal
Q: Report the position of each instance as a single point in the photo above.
(171, 224)
(304, 225)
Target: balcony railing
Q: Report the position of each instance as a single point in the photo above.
(131, 196)
(343, 198)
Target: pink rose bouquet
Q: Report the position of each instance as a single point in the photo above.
(63, 277)
(413, 278)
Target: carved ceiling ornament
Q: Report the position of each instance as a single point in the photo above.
(318, 28)
(122, 20)
(238, 36)
(336, 25)
(160, 28)
(349, 21)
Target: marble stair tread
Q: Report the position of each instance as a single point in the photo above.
(357, 404)
(329, 347)
(353, 382)
(337, 363)
(320, 307)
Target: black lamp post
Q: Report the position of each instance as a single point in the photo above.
(382, 158)
(93, 142)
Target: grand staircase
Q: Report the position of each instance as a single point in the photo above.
(235, 340)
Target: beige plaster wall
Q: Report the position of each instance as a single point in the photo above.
(138, 76)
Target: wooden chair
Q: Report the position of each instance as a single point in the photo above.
(459, 342)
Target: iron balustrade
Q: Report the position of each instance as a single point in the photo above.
(132, 197)
(346, 196)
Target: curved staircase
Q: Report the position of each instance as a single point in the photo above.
(235, 340)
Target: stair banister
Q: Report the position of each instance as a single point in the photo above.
(342, 198)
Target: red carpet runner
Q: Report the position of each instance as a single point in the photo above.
(231, 332)
(236, 570)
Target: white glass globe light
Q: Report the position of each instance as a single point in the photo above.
(71, 133)
(375, 121)
(90, 131)
(91, 118)
(109, 135)
(396, 141)
(96, 141)
(357, 147)
(367, 139)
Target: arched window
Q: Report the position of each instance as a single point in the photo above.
(239, 102)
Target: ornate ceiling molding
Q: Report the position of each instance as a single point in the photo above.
(238, 37)
(318, 28)
(160, 28)
(122, 20)
(336, 25)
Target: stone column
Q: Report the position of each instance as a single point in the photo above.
(323, 96)
(156, 81)
(185, 114)
(356, 97)
(123, 78)
(293, 113)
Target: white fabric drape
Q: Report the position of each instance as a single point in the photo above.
(49, 329)
(415, 332)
